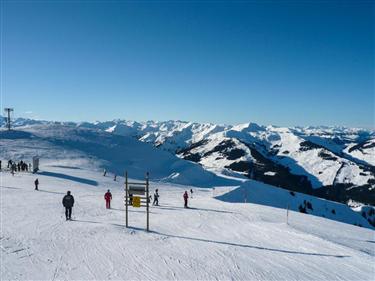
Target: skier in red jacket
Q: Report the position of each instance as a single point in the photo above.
(186, 196)
(108, 198)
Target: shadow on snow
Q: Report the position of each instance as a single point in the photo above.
(54, 192)
(170, 207)
(65, 167)
(68, 177)
(10, 187)
(248, 246)
(223, 242)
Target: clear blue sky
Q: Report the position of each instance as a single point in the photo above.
(271, 62)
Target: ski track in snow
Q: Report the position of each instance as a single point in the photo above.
(211, 240)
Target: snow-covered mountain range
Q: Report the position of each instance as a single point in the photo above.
(336, 163)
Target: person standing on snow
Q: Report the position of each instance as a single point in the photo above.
(156, 198)
(104, 172)
(108, 198)
(191, 193)
(186, 196)
(130, 199)
(36, 182)
(68, 202)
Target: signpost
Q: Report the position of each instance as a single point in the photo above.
(136, 190)
(8, 111)
(35, 164)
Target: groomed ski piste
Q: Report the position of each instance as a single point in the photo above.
(220, 237)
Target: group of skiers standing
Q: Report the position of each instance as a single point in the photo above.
(185, 196)
(68, 203)
(14, 167)
(68, 200)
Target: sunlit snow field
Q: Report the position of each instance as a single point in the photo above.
(212, 240)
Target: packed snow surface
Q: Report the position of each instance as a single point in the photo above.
(218, 238)
(211, 240)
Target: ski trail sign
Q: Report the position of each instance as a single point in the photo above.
(137, 188)
(137, 201)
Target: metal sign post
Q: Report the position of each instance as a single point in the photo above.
(126, 198)
(8, 120)
(147, 201)
(138, 189)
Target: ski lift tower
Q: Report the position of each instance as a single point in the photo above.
(8, 111)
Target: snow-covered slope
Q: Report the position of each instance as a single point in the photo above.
(264, 194)
(364, 151)
(323, 161)
(212, 240)
(103, 150)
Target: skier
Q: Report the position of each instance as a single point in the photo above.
(68, 202)
(36, 182)
(186, 196)
(130, 199)
(191, 193)
(0, 165)
(108, 198)
(115, 177)
(105, 172)
(156, 198)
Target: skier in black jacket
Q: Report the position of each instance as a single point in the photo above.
(36, 182)
(68, 202)
(156, 198)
